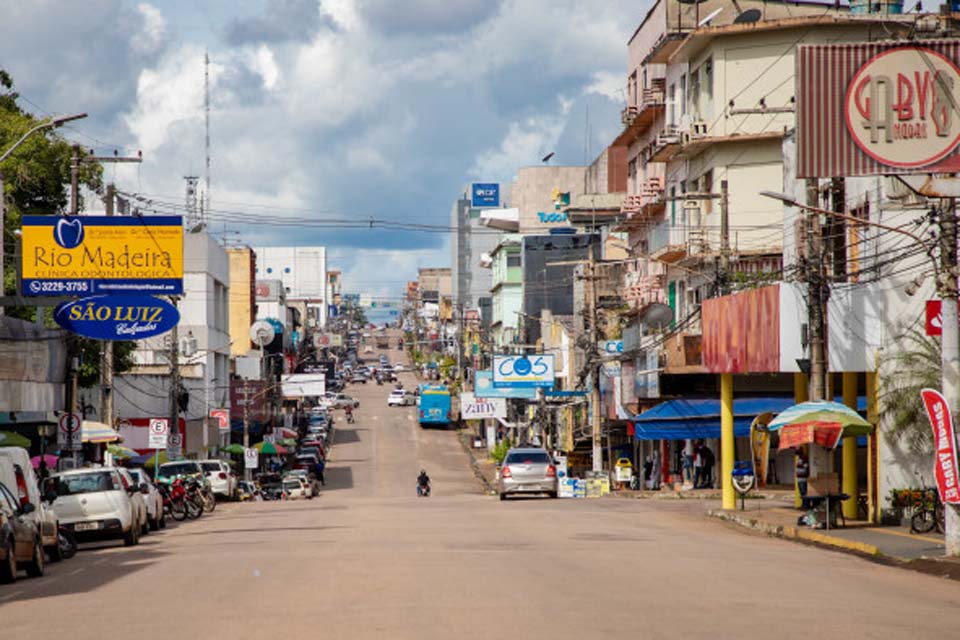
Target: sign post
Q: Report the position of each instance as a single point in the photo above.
(251, 458)
(159, 432)
(68, 433)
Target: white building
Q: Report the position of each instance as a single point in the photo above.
(303, 271)
(204, 346)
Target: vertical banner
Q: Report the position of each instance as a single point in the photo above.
(944, 446)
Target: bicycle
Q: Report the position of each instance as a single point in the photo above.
(927, 513)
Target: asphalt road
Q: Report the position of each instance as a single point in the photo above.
(368, 559)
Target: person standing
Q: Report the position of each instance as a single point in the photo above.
(707, 466)
(802, 472)
(697, 466)
(687, 462)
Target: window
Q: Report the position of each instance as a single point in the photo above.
(672, 105)
(513, 260)
(706, 185)
(695, 93)
(682, 97)
(708, 78)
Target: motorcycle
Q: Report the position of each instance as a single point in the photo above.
(176, 501)
(350, 418)
(194, 499)
(423, 489)
(379, 380)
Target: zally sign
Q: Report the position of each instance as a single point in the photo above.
(122, 317)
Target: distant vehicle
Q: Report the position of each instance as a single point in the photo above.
(295, 488)
(527, 470)
(16, 471)
(20, 543)
(156, 517)
(223, 481)
(400, 398)
(182, 469)
(358, 378)
(137, 499)
(398, 367)
(342, 401)
(435, 406)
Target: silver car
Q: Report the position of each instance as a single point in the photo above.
(527, 470)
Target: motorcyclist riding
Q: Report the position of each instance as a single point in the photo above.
(423, 483)
(348, 410)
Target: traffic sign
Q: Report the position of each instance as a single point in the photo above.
(159, 430)
(222, 416)
(69, 424)
(174, 445)
(251, 458)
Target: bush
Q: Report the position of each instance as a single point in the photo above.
(500, 451)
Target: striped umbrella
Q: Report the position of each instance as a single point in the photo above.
(823, 412)
(236, 449)
(118, 451)
(270, 449)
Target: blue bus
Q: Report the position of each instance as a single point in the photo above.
(435, 407)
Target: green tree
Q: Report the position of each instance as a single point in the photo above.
(917, 366)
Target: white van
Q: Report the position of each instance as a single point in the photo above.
(17, 474)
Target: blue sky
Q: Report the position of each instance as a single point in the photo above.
(338, 109)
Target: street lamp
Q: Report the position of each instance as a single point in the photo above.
(55, 121)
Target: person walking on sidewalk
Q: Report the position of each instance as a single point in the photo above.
(802, 471)
(697, 466)
(707, 472)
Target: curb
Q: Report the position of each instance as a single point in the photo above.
(487, 487)
(787, 532)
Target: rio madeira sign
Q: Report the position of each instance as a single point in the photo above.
(899, 107)
(121, 317)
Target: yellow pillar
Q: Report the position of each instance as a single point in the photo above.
(801, 393)
(873, 417)
(850, 486)
(726, 441)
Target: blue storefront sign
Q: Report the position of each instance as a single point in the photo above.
(122, 317)
(483, 388)
(485, 194)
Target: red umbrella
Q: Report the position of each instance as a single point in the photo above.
(51, 461)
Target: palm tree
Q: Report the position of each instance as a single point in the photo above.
(915, 366)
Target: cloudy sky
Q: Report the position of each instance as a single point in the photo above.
(328, 109)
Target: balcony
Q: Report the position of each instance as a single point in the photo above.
(667, 243)
(638, 208)
(636, 118)
(667, 145)
(644, 285)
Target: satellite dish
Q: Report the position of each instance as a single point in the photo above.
(748, 16)
(261, 333)
(657, 315)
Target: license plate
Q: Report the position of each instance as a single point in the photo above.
(86, 526)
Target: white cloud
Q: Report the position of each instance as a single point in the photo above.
(263, 62)
(608, 84)
(150, 39)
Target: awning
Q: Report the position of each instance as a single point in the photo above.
(98, 432)
(699, 418)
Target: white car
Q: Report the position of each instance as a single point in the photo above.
(136, 499)
(17, 473)
(93, 503)
(397, 368)
(295, 488)
(156, 517)
(223, 481)
(399, 398)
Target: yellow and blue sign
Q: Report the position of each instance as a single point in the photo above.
(122, 317)
(84, 255)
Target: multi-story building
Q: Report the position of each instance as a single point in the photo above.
(506, 290)
(471, 286)
(334, 291)
(243, 298)
(303, 271)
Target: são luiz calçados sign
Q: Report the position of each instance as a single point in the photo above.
(83, 255)
(120, 317)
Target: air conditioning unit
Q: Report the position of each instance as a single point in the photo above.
(188, 346)
(698, 129)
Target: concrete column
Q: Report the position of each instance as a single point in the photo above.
(726, 441)
(873, 417)
(850, 485)
(801, 393)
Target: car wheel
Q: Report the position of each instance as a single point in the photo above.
(8, 570)
(54, 552)
(153, 524)
(503, 497)
(553, 494)
(130, 538)
(36, 566)
(162, 521)
(144, 528)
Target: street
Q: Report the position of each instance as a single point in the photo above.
(368, 559)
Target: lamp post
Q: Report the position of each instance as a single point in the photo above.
(56, 121)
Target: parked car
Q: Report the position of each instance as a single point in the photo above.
(397, 368)
(16, 472)
(156, 517)
(136, 499)
(527, 470)
(358, 378)
(295, 488)
(314, 444)
(20, 543)
(169, 471)
(311, 479)
(400, 398)
(342, 401)
(223, 481)
(94, 503)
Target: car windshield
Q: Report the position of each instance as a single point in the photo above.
(179, 469)
(291, 484)
(87, 483)
(528, 457)
(210, 466)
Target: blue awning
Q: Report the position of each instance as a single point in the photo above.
(699, 418)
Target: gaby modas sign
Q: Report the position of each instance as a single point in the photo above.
(125, 317)
(877, 108)
(944, 446)
(83, 255)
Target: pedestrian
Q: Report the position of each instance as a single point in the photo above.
(697, 466)
(320, 467)
(688, 462)
(656, 471)
(802, 472)
(708, 460)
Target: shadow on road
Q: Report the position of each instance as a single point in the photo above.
(338, 478)
(346, 436)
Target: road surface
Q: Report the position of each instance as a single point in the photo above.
(368, 559)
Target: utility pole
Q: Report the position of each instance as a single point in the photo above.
(950, 345)
(815, 312)
(174, 377)
(106, 346)
(596, 450)
(246, 427)
(724, 238)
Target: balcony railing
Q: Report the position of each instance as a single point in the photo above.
(653, 191)
(632, 203)
(652, 96)
(666, 238)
